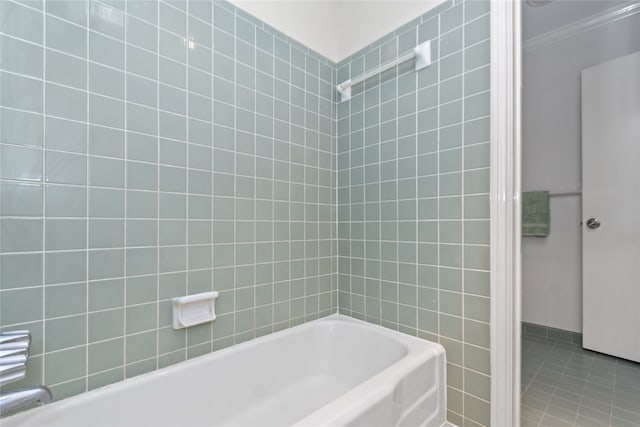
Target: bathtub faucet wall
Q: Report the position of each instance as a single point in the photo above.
(14, 353)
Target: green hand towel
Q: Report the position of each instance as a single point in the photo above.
(535, 213)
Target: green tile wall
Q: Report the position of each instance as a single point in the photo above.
(155, 149)
(150, 150)
(413, 202)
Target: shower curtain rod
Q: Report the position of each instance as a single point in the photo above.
(422, 54)
(566, 193)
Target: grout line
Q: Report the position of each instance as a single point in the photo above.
(158, 186)
(44, 209)
(87, 228)
(398, 76)
(187, 160)
(438, 199)
(235, 186)
(125, 213)
(213, 157)
(255, 231)
(462, 190)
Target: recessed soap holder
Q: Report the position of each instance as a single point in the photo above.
(194, 309)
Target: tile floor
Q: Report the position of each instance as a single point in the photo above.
(565, 385)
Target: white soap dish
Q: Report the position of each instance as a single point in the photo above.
(194, 309)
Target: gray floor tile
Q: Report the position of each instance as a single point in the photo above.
(595, 404)
(632, 417)
(551, 421)
(530, 416)
(603, 418)
(587, 422)
(618, 422)
(562, 413)
(565, 385)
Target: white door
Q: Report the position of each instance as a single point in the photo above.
(611, 198)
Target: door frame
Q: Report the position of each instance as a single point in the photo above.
(505, 211)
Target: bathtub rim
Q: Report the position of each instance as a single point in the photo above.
(375, 385)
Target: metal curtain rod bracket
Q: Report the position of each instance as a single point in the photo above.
(421, 53)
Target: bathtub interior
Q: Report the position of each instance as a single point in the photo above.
(335, 359)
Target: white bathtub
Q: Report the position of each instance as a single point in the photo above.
(335, 371)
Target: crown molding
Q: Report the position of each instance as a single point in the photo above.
(587, 24)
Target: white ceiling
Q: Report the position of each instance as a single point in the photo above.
(558, 13)
(336, 28)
